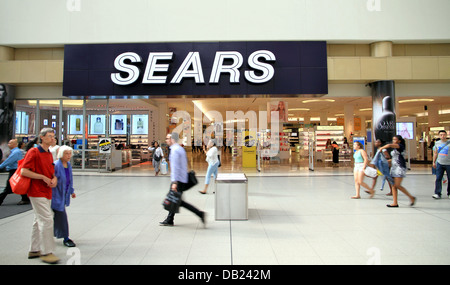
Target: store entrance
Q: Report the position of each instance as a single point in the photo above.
(297, 127)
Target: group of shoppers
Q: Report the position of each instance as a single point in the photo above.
(394, 175)
(50, 191)
(52, 181)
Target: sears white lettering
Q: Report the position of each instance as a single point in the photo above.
(192, 67)
(219, 67)
(153, 67)
(267, 69)
(192, 59)
(132, 70)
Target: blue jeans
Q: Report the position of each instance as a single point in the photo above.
(383, 166)
(440, 168)
(212, 169)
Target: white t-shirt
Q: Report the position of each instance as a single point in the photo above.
(211, 156)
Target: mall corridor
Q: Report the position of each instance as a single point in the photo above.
(307, 219)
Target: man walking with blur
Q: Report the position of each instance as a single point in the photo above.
(179, 177)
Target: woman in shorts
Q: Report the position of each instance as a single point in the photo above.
(361, 160)
(398, 169)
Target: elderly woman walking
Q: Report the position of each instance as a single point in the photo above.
(62, 193)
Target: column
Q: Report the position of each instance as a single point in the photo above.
(433, 116)
(162, 122)
(349, 121)
(324, 118)
(383, 110)
(381, 49)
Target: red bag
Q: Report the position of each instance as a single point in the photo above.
(20, 184)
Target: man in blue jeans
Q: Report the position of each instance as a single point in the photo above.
(441, 161)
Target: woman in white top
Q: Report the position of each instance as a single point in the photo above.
(157, 156)
(213, 164)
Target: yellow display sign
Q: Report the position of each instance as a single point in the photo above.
(249, 149)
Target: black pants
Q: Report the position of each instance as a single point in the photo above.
(181, 187)
(8, 189)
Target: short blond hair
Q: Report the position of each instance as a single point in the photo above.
(62, 149)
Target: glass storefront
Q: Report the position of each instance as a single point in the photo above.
(81, 124)
(132, 124)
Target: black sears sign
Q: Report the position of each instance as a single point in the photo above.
(215, 68)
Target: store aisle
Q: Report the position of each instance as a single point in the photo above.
(292, 220)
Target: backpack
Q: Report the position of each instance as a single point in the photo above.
(156, 157)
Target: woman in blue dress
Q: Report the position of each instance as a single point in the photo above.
(61, 195)
(398, 169)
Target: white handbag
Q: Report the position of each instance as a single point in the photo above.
(370, 171)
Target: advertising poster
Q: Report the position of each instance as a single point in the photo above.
(7, 94)
(383, 106)
(361, 140)
(97, 124)
(118, 125)
(139, 124)
(406, 130)
(281, 107)
(76, 124)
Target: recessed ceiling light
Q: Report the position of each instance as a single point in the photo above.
(318, 100)
(415, 100)
(299, 109)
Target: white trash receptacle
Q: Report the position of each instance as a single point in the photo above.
(231, 196)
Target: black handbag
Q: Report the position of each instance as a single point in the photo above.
(192, 180)
(172, 201)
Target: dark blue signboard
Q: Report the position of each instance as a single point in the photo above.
(206, 69)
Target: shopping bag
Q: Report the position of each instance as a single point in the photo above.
(192, 180)
(370, 171)
(172, 201)
(19, 184)
(164, 166)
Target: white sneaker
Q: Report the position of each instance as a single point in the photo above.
(436, 196)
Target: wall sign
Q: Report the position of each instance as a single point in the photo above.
(216, 68)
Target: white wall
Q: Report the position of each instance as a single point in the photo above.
(57, 22)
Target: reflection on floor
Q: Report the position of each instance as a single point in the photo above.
(295, 166)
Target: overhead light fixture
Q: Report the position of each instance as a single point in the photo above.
(365, 109)
(415, 100)
(318, 100)
(299, 109)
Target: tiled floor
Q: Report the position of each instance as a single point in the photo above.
(304, 219)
